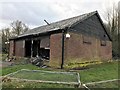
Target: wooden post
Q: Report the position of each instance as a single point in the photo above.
(38, 45)
(62, 49)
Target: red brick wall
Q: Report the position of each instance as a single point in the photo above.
(75, 49)
(55, 50)
(19, 48)
(106, 51)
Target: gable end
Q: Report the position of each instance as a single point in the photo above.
(91, 26)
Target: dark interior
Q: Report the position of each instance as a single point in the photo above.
(28, 48)
(36, 47)
(44, 53)
(36, 50)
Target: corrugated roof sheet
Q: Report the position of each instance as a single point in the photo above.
(58, 25)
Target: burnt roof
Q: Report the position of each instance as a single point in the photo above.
(57, 25)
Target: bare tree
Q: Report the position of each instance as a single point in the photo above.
(119, 28)
(18, 28)
(112, 25)
(5, 39)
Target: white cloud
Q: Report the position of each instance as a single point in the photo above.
(4, 23)
(33, 12)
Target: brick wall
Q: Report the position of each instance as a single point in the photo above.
(55, 50)
(75, 49)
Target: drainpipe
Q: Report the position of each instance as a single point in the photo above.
(62, 49)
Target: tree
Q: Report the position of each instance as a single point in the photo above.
(119, 28)
(18, 27)
(5, 39)
(112, 26)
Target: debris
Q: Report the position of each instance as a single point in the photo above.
(6, 79)
(86, 86)
(39, 61)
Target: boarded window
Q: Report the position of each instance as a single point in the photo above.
(86, 40)
(103, 42)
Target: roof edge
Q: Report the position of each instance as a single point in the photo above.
(103, 26)
(90, 14)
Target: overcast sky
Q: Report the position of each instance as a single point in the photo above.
(33, 12)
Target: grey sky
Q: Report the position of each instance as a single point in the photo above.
(33, 13)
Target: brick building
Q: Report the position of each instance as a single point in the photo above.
(75, 38)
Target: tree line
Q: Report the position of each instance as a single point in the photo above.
(16, 28)
(113, 28)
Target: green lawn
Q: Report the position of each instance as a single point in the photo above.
(46, 76)
(113, 84)
(22, 84)
(10, 69)
(104, 71)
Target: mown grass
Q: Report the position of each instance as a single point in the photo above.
(11, 69)
(113, 84)
(22, 84)
(46, 76)
(104, 71)
(100, 72)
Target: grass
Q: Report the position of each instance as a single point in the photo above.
(45, 76)
(104, 71)
(11, 69)
(113, 84)
(100, 72)
(22, 84)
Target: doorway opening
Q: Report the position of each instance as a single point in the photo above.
(28, 48)
(33, 49)
(36, 48)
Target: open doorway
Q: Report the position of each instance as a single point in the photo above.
(28, 48)
(32, 48)
(37, 48)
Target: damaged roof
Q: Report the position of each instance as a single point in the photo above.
(58, 25)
